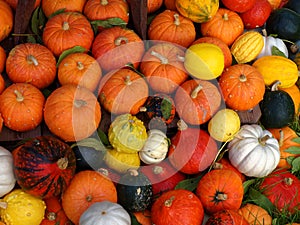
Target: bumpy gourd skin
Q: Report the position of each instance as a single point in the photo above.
(21, 209)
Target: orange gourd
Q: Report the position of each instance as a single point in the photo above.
(6, 20)
(21, 107)
(163, 67)
(67, 30)
(80, 69)
(86, 188)
(226, 25)
(49, 6)
(294, 92)
(170, 26)
(2, 59)
(66, 111)
(32, 63)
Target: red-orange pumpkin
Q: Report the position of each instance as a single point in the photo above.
(153, 5)
(121, 44)
(220, 190)
(31, 63)
(86, 188)
(177, 207)
(162, 64)
(66, 111)
(172, 27)
(196, 101)
(21, 107)
(49, 6)
(170, 4)
(6, 20)
(226, 25)
(123, 91)
(242, 86)
(226, 217)
(67, 30)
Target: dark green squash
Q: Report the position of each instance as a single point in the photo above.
(277, 108)
(134, 191)
(293, 5)
(285, 23)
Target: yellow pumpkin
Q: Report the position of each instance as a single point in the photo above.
(277, 68)
(247, 46)
(198, 11)
(21, 208)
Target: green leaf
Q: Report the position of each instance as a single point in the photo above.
(91, 143)
(189, 184)
(131, 66)
(296, 140)
(57, 12)
(295, 165)
(261, 200)
(103, 138)
(67, 52)
(248, 183)
(38, 21)
(166, 108)
(276, 51)
(293, 150)
(134, 220)
(111, 22)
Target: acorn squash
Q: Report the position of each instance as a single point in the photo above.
(293, 5)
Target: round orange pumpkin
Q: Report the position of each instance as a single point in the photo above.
(153, 5)
(121, 44)
(163, 67)
(172, 27)
(226, 25)
(86, 188)
(196, 101)
(2, 59)
(67, 30)
(49, 6)
(2, 84)
(170, 4)
(294, 92)
(21, 107)
(67, 109)
(242, 86)
(80, 69)
(31, 63)
(123, 91)
(6, 20)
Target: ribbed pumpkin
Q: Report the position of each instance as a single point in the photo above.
(198, 11)
(49, 6)
(67, 30)
(6, 20)
(44, 166)
(247, 46)
(275, 68)
(242, 86)
(162, 64)
(172, 27)
(255, 214)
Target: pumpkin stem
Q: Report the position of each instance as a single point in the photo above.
(196, 91)
(180, 58)
(128, 80)
(221, 197)
(169, 201)
(275, 85)
(264, 32)
(263, 140)
(79, 103)
(133, 172)
(80, 65)
(162, 58)
(51, 216)
(225, 16)
(104, 2)
(20, 97)
(157, 170)
(288, 181)
(243, 78)
(3, 205)
(182, 125)
(143, 109)
(32, 60)
(217, 166)
(121, 40)
(281, 137)
(176, 21)
(89, 198)
(65, 25)
(62, 163)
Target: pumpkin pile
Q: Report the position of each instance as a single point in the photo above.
(151, 112)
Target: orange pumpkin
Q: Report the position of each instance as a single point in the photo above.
(80, 69)
(143, 217)
(221, 44)
(123, 91)
(285, 138)
(21, 107)
(6, 20)
(67, 109)
(14, 3)
(153, 5)
(2, 84)
(294, 92)
(196, 101)
(163, 67)
(2, 59)
(242, 86)
(170, 4)
(172, 27)
(86, 188)
(226, 25)
(225, 217)
(121, 44)
(220, 190)
(255, 214)
(275, 3)
(67, 30)
(31, 63)
(49, 6)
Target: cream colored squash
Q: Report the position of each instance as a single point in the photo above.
(254, 151)
(269, 42)
(7, 177)
(155, 148)
(105, 213)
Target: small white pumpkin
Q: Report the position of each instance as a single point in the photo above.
(155, 148)
(104, 213)
(254, 151)
(269, 42)
(7, 177)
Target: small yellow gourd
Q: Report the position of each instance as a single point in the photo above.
(247, 46)
(21, 208)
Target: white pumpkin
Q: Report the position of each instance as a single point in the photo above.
(269, 42)
(7, 177)
(155, 148)
(104, 213)
(254, 151)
